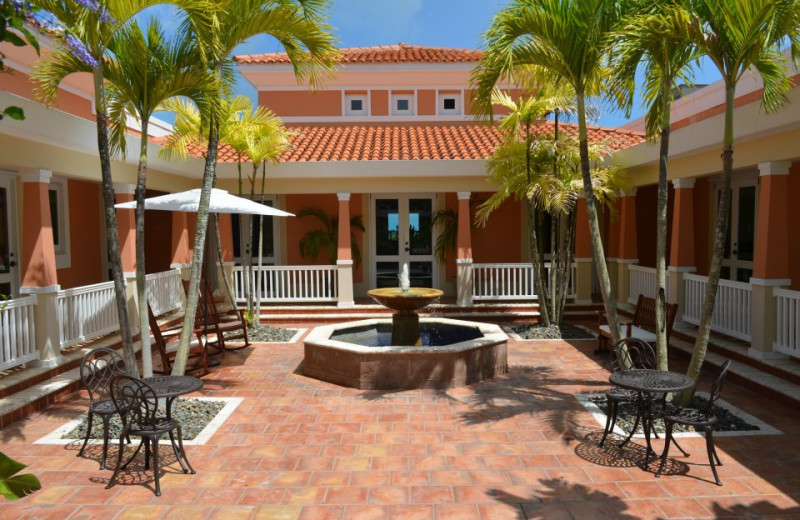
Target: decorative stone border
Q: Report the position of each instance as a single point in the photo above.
(764, 429)
(294, 339)
(509, 329)
(205, 434)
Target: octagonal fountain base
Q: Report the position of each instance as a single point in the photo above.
(476, 351)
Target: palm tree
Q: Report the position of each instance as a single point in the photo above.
(736, 35)
(327, 238)
(564, 41)
(146, 70)
(84, 47)
(666, 64)
(300, 27)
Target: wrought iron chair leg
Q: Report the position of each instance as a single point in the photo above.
(611, 412)
(135, 452)
(665, 453)
(119, 465)
(156, 467)
(106, 420)
(89, 422)
(177, 453)
(675, 442)
(183, 451)
(711, 454)
(633, 430)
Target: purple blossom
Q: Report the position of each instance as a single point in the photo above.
(95, 7)
(91, 5)
(78, 50)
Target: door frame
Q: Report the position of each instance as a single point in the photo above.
(9, 180)
(743, 179)
(373, 276)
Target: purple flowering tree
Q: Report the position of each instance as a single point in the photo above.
(13, 14)
(86, 28)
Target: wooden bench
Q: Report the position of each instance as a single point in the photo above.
(642, 326)
(165, 344)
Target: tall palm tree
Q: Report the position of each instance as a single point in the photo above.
(327, 238)
(83, 46)
(666, 63)
(736, 35)
(300, 27)
(565, 41)
(147, 69)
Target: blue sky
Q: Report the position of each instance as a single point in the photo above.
(446, 23)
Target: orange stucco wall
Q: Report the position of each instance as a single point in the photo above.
(85, 235)
(426, 102)
(302, 103)
(497, 242)
(20, 84)
(380, 103)
(647, 224)
(794, 238)
(703, 216)
(296, 228)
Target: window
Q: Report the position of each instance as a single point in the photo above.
(241, 225)
(59, 215)
(402, 104)
(355, 105)
(450, 104)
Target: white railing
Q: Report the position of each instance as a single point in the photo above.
(731, 310)
(17, 332)
(509, 281)
(289, 283)
(164, 291)
(788, 322)
(86, 312)
(643, 281)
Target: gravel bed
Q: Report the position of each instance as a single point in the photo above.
(726, 421)
(193, 414)
(563, 331)
(267, 334)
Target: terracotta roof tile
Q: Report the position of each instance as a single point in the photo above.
(415, 143)
(400, 53)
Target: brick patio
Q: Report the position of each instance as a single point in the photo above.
(515, 448)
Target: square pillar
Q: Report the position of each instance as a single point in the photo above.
(682, 254)
(344, 254)
(583, 254)
(464, 251)
(181, 250)
(40, 276)
(627, 251)
(771, 261)
(126, 228)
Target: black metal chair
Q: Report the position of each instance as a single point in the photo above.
(98, 369)
(627, 353)
(137, 404)
(699, 419)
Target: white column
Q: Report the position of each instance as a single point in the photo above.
(464, 252)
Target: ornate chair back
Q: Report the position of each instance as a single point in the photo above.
(136, 403)
(716, 388)
(98, 369)
(632, 353)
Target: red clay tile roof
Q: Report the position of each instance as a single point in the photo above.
(415, 143)
(400, 53)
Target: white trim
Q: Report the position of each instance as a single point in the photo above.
(457, 110)
(410, 98)
(771, 282)
(464, 261)
(768, 168)
(684, 183)
(343, 197)
(124, 188)
(9, 181)
(42, 176)
(347, 101)
(62, 249)
(627, 260)
(382, 119)
(344, 262)
(679, 269)
(47, 289)
(180, 266)
(264, 68)
(464, 195)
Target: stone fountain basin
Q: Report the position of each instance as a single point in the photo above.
(412, 299)
(405, 367)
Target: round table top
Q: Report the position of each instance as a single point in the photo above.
(648, 380)
(172, 386)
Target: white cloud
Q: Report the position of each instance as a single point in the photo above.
(379, 21)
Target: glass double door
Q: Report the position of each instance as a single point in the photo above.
(403, 234)
(9, 261)
(740, 242)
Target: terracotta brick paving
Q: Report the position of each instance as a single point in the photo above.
(519, 447)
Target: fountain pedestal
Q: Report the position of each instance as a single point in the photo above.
(405, 322)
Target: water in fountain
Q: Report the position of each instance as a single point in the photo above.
(405, 281)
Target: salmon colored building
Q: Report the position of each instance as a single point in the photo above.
(389, 139)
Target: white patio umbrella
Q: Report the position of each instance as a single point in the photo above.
(221, 202)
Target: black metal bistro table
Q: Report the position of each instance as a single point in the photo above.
(647, 382)
(170, 387)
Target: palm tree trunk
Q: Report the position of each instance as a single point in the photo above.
(112, 235)
(720, 232)
(209, 173)
(554, 262)
(609, 301)
(261, 242)
(536, 265)
(565, 256)
(141, 282)
(661, 240)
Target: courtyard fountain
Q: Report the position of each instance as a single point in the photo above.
(406, 351)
